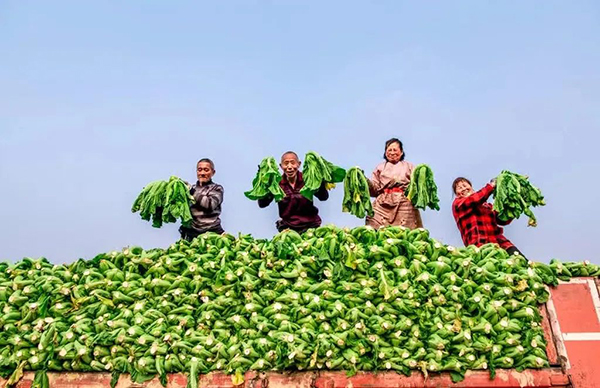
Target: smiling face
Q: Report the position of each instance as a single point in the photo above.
(290, 165)
(204, 172)
(393, 152)
(463, 189)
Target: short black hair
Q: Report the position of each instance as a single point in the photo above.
(457, 181)
(288, 153)
(390, 142)
(207, 160)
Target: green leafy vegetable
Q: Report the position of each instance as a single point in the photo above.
(515, 195)
(422, 190)
(266, 181)
(163, 201)
(357, 200)
(317, 171)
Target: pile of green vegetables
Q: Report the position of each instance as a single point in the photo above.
(164, 201)
(422, 190)
(357, 198)
(266, 181)
(335, 299)
(317, 171)
(566, 271)
(515, 195)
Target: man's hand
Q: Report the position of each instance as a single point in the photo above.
(269, 197)
(493, 182)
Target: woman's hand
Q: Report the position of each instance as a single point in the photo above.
(493, 182)
(395, 181)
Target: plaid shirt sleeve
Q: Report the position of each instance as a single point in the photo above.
(475, 199)
(477, 221)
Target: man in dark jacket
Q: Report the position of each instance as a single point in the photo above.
(208, 198)
(296, 212)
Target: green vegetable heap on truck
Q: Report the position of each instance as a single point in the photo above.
(338, 299)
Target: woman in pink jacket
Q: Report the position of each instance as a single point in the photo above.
(388, 184)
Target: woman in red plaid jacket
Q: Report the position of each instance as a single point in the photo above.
(475, 217)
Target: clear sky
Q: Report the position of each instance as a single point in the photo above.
(98, 98)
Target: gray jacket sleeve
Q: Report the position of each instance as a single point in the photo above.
(209, 199)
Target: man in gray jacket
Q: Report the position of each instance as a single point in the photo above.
(207, 208)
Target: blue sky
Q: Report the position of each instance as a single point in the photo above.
(98, 98)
